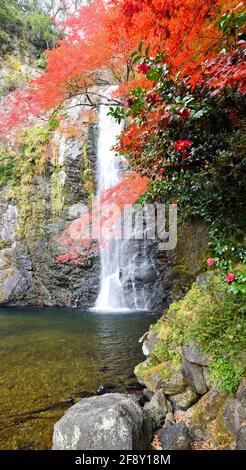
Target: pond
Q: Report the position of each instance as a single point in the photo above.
(51, 355)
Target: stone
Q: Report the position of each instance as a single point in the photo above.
(183, 401)
(233, 415)
(156, 409)
(174, 437)
(108, 422)
(193, 375)
(199, 416)
(192, 353)
(165, 376)
(149, 343)
(241, 439)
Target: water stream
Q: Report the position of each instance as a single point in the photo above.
(119, 290)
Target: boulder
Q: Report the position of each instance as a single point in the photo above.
(183, 401)
(166, 376)
(194, 377)
(233, 415)
(199, 416)
(174, 437)
(107, 422)
(193, 353)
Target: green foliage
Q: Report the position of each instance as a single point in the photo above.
(29, 160)
(27, 21)
(212, 316)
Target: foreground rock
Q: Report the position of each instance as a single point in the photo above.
(108, 422)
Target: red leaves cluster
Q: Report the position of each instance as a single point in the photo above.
(102, 36)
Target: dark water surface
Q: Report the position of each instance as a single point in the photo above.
(48, 355)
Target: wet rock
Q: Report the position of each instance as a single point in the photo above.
(174, 437)
(183, 401)
(241, 439)
(106, 388)
(109, 422)
(192, 353)
(194, 377)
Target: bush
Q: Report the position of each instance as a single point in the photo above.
(215, 318)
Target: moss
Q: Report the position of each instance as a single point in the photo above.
(57, 193)
(212, 316)
(143, 367)
(221, 437)
(163, 371)
(87, 174)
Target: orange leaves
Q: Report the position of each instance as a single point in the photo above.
(101, 38)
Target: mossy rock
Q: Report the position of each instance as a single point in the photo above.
(204, 412)
(165, 376)
(220, 436)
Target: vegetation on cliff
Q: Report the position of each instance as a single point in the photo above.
(182, 95)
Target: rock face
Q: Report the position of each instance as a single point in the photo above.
(108, 422)
(35, 210)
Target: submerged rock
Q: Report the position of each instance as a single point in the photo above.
(174, 437)
(108, 422)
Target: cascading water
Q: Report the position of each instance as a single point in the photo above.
(119, 258)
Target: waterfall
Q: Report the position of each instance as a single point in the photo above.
(118, 287)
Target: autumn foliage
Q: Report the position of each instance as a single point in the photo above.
(101, 38)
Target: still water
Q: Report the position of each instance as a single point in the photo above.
(51, 355)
